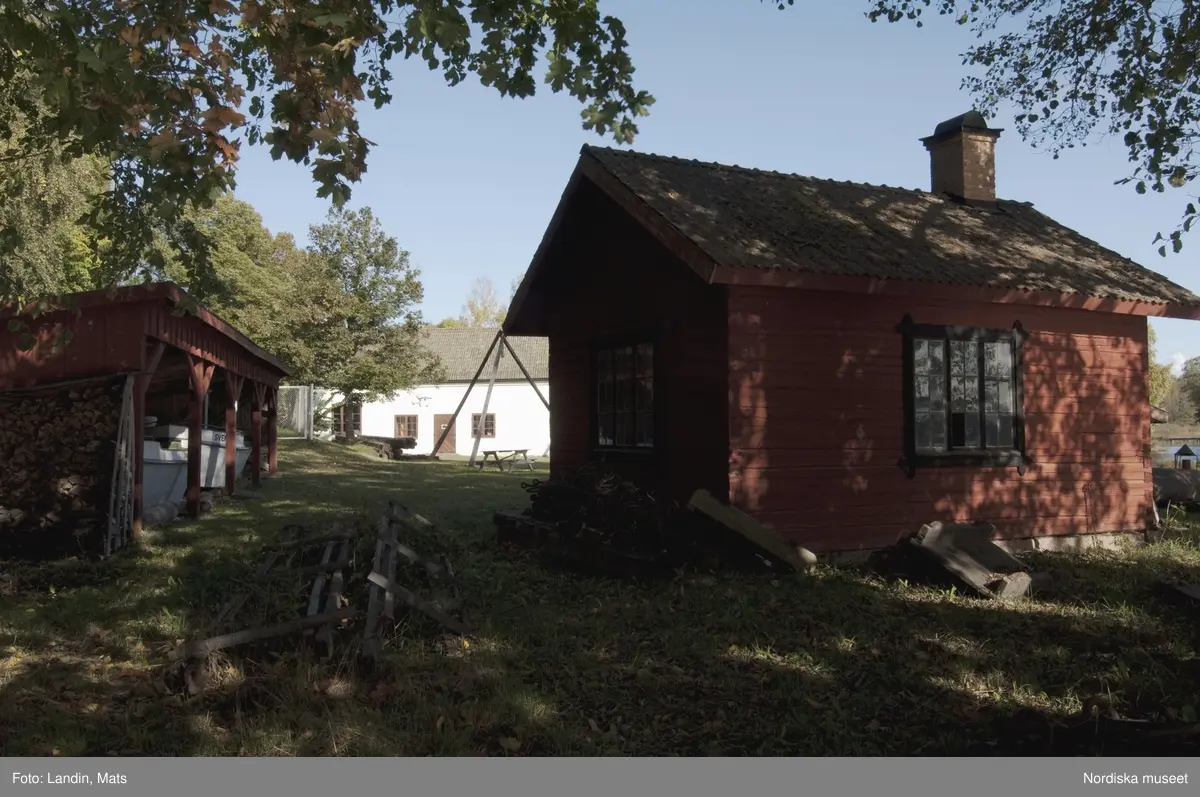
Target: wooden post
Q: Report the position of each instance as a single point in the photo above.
(521, 365)
(260, 393)
(233, 392)
(200, 375)
(487, 398)
(272, 430)
(153, 356)
(474, 379)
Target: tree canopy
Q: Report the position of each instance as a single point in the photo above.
(371, 334)
(1160, 379)
(340, 313)
(483, 308)
(1072, 69)
(168, 91)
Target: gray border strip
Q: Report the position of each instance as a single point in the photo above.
(583, 777)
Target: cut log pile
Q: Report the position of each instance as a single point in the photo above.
(597, 502)
(56, 466)
(605, 524)
(389, 447)
(324, 586)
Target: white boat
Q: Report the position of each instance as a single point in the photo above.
(212, 450)
(164, 474)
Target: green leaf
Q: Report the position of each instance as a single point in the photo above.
(15, 325)
(332, 20)
(91, 60)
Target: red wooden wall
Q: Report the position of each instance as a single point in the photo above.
(112, 338)
(816, 421)
(608, 278)
(101, 343)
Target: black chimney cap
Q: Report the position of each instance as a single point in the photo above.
(971, 120)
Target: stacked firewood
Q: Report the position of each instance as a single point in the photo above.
(597, 501)
(56, 460)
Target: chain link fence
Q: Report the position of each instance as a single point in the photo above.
(295, 412)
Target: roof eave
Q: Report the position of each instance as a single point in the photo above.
(589, 168)
(760, 277)
(157, 291)
(516, 320)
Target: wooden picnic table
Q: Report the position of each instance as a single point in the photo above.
(506, 458)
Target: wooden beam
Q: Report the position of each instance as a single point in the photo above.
(314, 598)
(260, 393)
(203, 647)
(152, 356)
(474, 379)
(233, 392)
(421, 605)
(200, 373)
(487, 399)
(801, 559)
(521, 365)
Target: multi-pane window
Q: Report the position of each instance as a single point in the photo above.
(977, 378)
(964, 393)
(406, 426)
(625, 396)
(489, 424)
(349, 419)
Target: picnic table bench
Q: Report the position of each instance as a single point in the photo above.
(506, 459)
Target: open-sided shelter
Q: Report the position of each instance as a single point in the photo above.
(844, 361)
(77, 380)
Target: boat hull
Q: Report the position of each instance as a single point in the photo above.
(164, 474)
(212, 452)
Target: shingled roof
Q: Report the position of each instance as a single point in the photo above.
(747, 218)
(461, 350)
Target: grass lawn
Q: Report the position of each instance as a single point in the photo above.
(839, 663)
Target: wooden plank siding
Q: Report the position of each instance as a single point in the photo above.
(817, 424)
(107, 339)
(191, 335)
(609, 280)
(101, 343)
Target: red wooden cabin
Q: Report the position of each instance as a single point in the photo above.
(845, 361)
(177, 354)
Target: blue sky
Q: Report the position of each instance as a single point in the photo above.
(467, 181)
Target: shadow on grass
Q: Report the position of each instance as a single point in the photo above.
(839, 663)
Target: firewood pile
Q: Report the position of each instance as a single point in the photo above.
(605, 523)
(56, 465)
(341, 587)
(389, 447)
(598, 502)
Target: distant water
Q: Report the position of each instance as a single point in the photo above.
(1165, 455)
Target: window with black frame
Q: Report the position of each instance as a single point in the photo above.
(963, 396)
(350, 419)
(625, 396)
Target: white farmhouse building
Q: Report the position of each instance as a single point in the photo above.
(516, 418)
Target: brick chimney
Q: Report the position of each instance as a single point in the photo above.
(962, 159)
